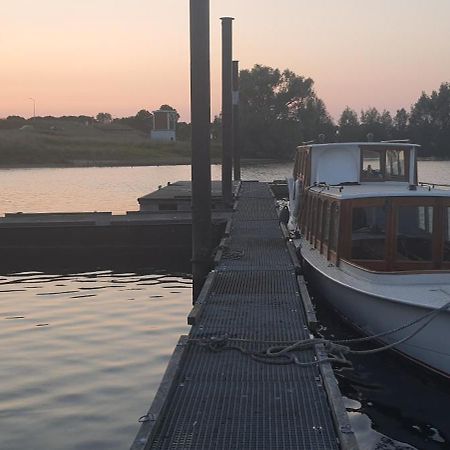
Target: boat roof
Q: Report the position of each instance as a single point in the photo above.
(374, 190)
(341, 145)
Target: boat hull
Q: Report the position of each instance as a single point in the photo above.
(374, 315)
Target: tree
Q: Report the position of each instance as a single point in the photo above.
(441, 102)
(216, 128)
(166, 108)
(387, 125)
(143, 121)
(349, 126)
(314, 120)
(169, 108)
(379, 125)
(400, 124)
(429, 122)
(279, 109)
(103, 118)
(184, 131)
(12, 122)
(421, 124)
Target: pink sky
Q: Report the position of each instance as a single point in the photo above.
(89, 56)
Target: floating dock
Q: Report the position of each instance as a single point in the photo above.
(178, 197)
(159, 232)
(215, 394)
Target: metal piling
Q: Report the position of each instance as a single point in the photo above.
(227, 109)
(201, 159)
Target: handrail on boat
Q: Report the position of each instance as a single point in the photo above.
(433, 185)
(339, 186)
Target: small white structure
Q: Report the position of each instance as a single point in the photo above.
(164, 126)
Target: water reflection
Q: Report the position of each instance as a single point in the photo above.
(117, 188)
(83, 353)
(113, 189)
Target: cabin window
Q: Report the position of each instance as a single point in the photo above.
(415, 233)
(301, 164)
(308, 217)
(381, 164)
(303, 212)
(395, 163)
(314, 220)
(317, 211)
(311, 217)
(325, 223)
(334, 226)
(319, 221)
(372, 168)
(447, 234)
(369, 233)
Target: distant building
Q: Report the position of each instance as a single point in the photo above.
(164, 126)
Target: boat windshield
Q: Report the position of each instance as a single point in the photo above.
(371, 165)
(384, 164)
(395, 163)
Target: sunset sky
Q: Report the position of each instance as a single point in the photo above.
(86, 56)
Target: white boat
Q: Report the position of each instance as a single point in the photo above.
(377, 243)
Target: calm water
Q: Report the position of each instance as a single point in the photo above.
(82, 354)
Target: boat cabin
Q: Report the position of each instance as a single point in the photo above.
(361, 203)
(355, 163)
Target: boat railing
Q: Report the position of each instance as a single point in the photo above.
(327, 187)
(434, 185)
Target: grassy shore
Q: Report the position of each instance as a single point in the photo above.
(71, 144)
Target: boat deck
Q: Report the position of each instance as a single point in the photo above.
(226, 399)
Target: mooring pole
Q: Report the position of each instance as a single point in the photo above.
(201, 163)
(236, 124)
(227, 110)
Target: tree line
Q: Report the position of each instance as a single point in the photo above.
(280, 110)
(142, 121)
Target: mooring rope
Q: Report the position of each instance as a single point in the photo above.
(431, 316)
(281, 351)
(431, 313)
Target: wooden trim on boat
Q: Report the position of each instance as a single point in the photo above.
(318, 222)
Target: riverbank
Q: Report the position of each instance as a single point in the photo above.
(56, 144)
(73, 144)
(49, 144)
(148, 161)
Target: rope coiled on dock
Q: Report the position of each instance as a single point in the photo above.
(282, 353)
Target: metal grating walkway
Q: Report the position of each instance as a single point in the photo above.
(226, 400)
